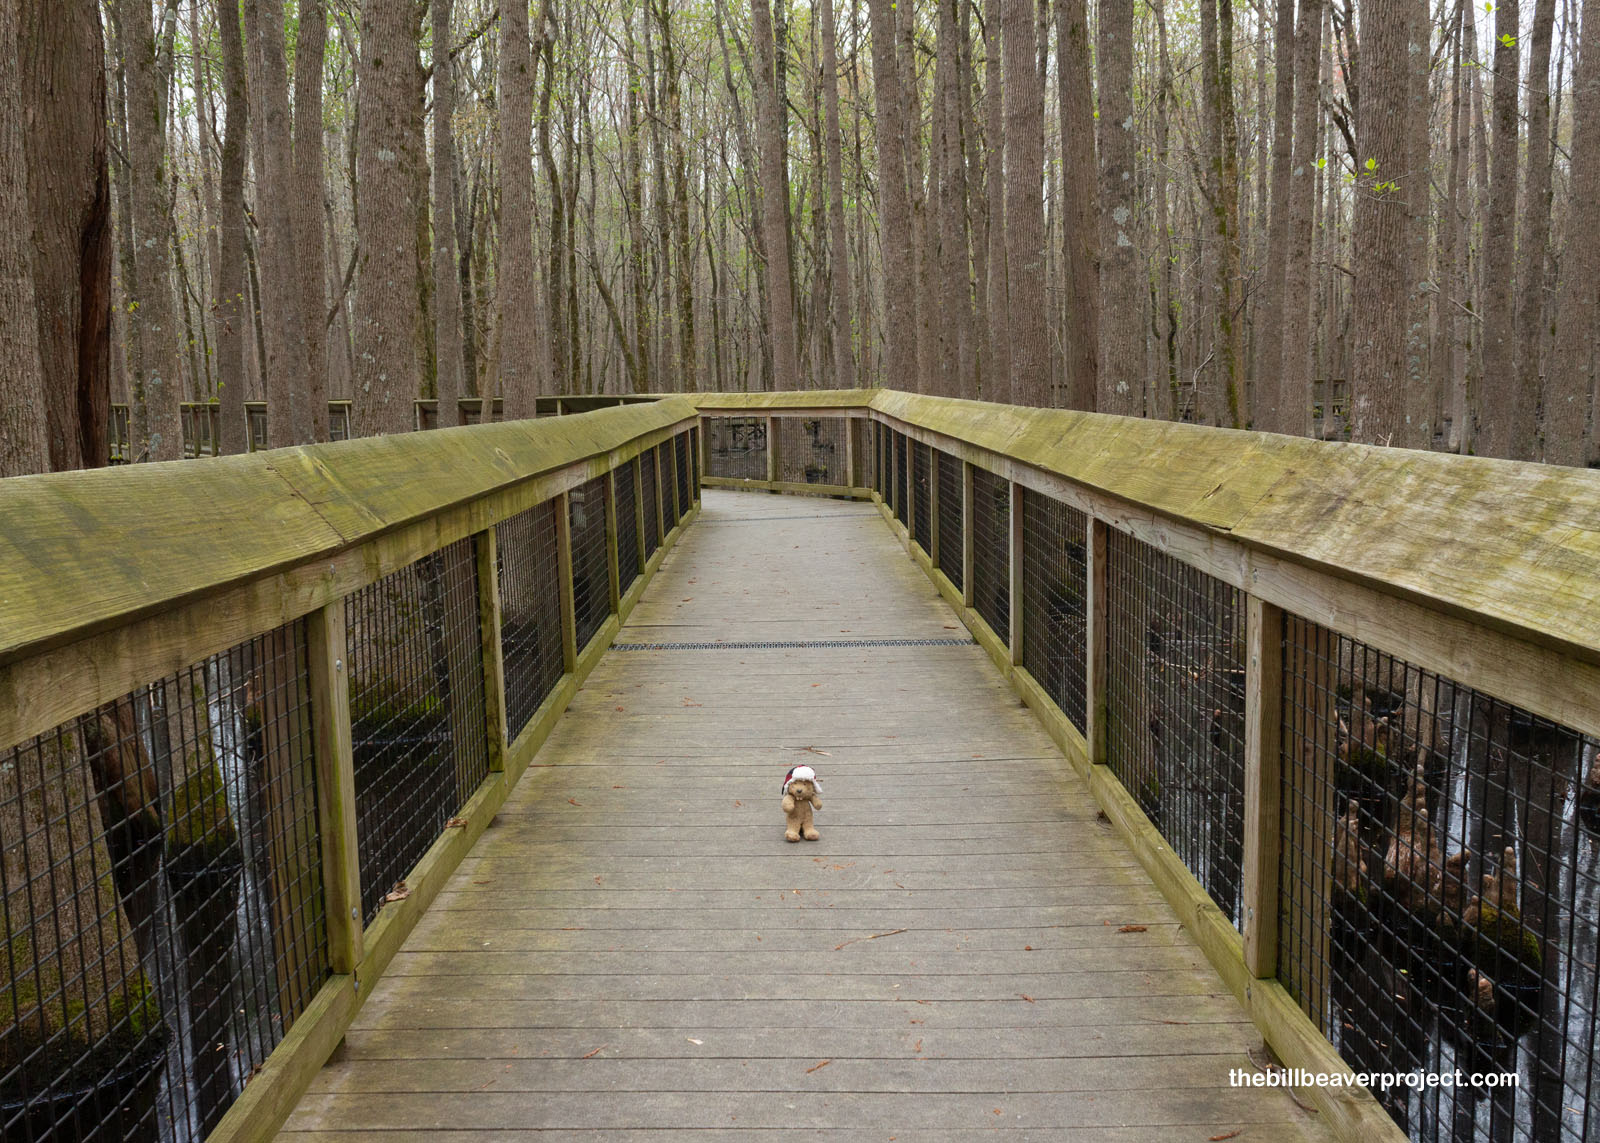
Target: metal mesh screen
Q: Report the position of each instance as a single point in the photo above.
(591, 572)
(902, 481)
(1055, 592)
(416, 711)
(991, 551)
(950, 523)
(884, 469)
(863, 444)
(1439, 890)
(736, 447)
(652, 503)
(680, 455)
(694, 461)
(162, 882)
(921, 516)
(811, 450)
(1175, 704)
(628, 563)
(530, 612)
(671, 510)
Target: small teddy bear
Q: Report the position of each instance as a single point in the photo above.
(801, 795)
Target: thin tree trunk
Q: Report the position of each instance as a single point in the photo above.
(446, 278)
(22, 423)
(838, 256)
(997, 369)
(233, 313)
(1507, 431)
(1534, 241)
(308, 210)
(1270, 414)
(774, 202)
(1025, 241)
(1080, 244)
(520, 358)
(386, 378)
(1294, 401)
(1120, 373)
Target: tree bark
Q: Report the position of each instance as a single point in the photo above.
(1080, 239)
(1534, 241)
(1120, 373)
(774, 201)
(446, 279)
(282, 303)
(1572, 356)
(838, 255)
(155, 432)
(22, 422)
(1294, 400)
(233, 313)
(1025, 241)
(1269, 330)
(522, 363)
(996, 373)
(386, 377)
(308, 210)
(1506, 431)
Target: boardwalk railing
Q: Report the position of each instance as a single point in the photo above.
(1343, 702)
(254, 711)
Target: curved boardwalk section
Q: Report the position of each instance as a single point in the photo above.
(633, 948)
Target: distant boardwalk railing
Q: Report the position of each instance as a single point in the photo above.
(1344, 702)
(253, 712)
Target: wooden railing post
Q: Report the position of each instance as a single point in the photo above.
(849, 451)
(613, 556)
(1095, 643)
(569, 616)
(911, 495)
(772, 450)
(661, 494)
(933, 506)
(1263, 788)
(636, 474)
(336, 784)
(494, 695)
(1014, 638)
(967, 545)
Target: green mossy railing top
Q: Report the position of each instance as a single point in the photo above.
(83, 551)
(1513, 544)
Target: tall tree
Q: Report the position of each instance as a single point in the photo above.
(900, 362)
(1269, 332)
(63, 84)
(157, 384)
(283, 317)
(838, 256)
(1120, 371)
(386, 378)
(446, 279)
(1025, 241)
(1507, 430)
(1534, 241)
(997, 366)
(1572, 355)
(1080, 245)
(22, 430)
(232, 309)
(522, 362)
(1294, 399)
(310, 53)
(774, 201)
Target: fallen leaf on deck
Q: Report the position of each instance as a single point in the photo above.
(574, 802)
(456, 823)
(819, 1067)
(1133, 929)
(399, 893)
(1028, 998)
(737, 802)
(1229, 1135)
(692, 1040)
(619, 708)
(591, 1055)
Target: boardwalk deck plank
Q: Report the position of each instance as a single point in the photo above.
(632, 948)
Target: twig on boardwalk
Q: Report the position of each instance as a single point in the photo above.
(872, 937)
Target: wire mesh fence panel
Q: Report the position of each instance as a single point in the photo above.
(628, 565)
(921, 497)
(680, 453)
(1055, 590)
(1175, 707)
(591, 573)
(652, 502)
(671, 509)
(162, 882)
(1439, 891)
(862, 444)
(530, 611)
(884, 469)
(991, 551)
(736, 447)
(416, 711)
(902, 481)
(694, 461)
(950, 523)
(811, 450)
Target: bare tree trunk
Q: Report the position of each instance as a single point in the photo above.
(155, 432)
(1534, 242)
(1294, 362)
(1568, 394)
(446, 279)
(22, 427)
(1080, 239)
(233, 313)
(774, 202)
(282, 302)
(308, 210)
(1270, 414)
(1382, 253)
(386, 378)
(997, 369)
(838, 255)
(520, 357)
(901, 358)
(1025, 242)
(1120, 373)
(1507, 431)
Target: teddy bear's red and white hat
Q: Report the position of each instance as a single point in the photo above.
(799, 774)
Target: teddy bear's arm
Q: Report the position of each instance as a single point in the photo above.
(816, 801)
(788, 803)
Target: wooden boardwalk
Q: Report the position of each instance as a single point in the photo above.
(633, 949)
